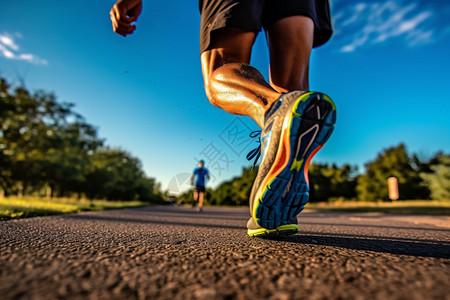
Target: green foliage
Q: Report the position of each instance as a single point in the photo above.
(116, 175)
(45, 145)
(44, 142)
(438, 179)
(327, 182)
(236, 191)
(392, 162)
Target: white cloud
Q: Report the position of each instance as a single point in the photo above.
(357, 42)
(8, 41)
(412, 24)
(364, 24)
(26, 56)
(32, 59)
(6, 53)
(398, 26)
(421, 37)
(10, 50)
(358, 9)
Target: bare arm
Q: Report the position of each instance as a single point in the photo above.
(123, 14)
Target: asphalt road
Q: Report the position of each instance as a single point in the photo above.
(177, 253)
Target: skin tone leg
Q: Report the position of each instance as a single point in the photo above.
(200, 199)
(230, 83)
(233, 85)
(195, 195)
(290, 42)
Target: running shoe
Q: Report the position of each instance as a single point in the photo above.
(284, 230)
(296, 127)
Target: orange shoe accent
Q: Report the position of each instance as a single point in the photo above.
(281, 161)
(308, 161)
(283, 155)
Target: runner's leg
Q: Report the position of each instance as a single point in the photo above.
(230, 82)
(233, 85)
(195, 197)
(200, 199)
(290, 42)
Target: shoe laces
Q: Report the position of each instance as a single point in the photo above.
(255, 153)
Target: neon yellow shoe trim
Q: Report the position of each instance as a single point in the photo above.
(280, 229)
(326, 97)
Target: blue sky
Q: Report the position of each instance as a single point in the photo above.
(386, 67)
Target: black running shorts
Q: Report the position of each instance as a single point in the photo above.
(200, 189)
(254, 14)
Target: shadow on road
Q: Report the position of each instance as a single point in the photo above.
(374, 226)
(435, 249)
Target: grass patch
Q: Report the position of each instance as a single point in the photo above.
(15, 208)
(412, 207)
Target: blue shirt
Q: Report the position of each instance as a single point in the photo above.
(199, 176)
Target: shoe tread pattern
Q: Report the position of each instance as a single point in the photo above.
(311, 125)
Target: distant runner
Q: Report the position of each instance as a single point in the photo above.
(199, 176)
(295, 122)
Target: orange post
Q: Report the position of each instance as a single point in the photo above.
(393, 188)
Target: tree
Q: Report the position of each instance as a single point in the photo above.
(328, 182)
(116, 175)
(46, 144)
(5, 160)
(392, 162)
(438, 179)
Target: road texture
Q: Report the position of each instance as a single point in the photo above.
(176, 253)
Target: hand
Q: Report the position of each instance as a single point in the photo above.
(123, 14)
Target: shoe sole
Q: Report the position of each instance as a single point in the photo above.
(283, 230)
(285, 189)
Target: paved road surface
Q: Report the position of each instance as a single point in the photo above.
(176, 253)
